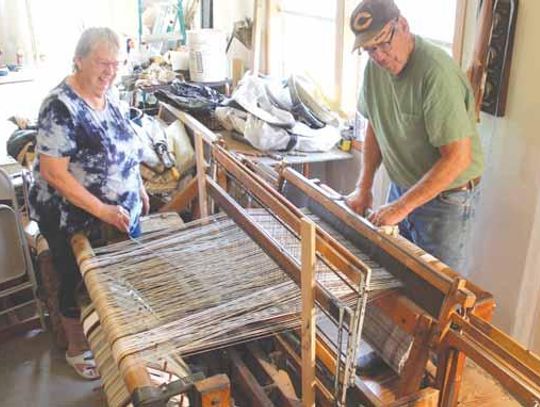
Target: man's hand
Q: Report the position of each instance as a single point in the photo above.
(115, 215)
(389, 214)
(360, 201)
(145, 201)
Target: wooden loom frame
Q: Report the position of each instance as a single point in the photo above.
(432, 323)
(425, 328)
(430, 329)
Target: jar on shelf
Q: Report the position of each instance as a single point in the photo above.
(20, 56)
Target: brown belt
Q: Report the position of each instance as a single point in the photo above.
(467, 186)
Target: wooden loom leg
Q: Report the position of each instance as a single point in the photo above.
(323, 396)
(450, 377)
(454, 362)
(280, 380)
(458, 365)
(414, 369)
(214, 391)
(305, 170)
(222, 179)
(250, 388)
(201, 175)
(182, 199)
(449, 380)
(308, 312)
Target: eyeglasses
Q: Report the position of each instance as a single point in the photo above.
(107, 65)
(383, 46)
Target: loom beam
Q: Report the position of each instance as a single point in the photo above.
(411, 268)
(133, 369)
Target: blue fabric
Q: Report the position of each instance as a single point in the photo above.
(441, 226)
(104, 154)
(135, 229)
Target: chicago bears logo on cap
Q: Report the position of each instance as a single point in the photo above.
(362, 21)
(369, 19)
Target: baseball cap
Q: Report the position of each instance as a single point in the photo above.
(369, 18)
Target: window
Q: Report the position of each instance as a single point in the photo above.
(431, 19)
(313, 37)
(309, 27)
(54, 26)
(304, 41)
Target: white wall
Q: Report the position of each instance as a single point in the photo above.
(528, 315)
(226, 12)
(14, 32)
(58, 23)
(505, 243)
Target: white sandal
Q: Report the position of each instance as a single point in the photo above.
(84, 364)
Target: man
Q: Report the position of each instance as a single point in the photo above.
(86, 173)
(421, 126)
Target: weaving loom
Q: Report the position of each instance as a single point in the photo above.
(181, 292)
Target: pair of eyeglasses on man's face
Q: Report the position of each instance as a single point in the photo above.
(383, 46)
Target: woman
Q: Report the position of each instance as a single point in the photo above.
(86, 172)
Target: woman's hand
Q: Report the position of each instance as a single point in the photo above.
(55, 171)
(145, 201)
(115, 215)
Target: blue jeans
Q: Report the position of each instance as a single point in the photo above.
(441, 226)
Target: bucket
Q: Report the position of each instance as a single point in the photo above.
(179, 59)
(207, 59)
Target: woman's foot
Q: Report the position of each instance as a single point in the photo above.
(84, 364)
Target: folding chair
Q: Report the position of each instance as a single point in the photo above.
(16, 267)
(7, 191)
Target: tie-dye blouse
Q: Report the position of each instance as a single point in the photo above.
(104, 155)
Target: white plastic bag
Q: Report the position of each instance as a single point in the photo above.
(264, 136)
(180, 145)
(311, 140)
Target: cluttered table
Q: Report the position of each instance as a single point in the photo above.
(265, 157)
(273, 158)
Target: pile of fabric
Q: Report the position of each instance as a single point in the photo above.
(167, 154)
(190, 97)
(263, 112)
(272, 115)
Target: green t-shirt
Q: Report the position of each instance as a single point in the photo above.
(430, 104)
